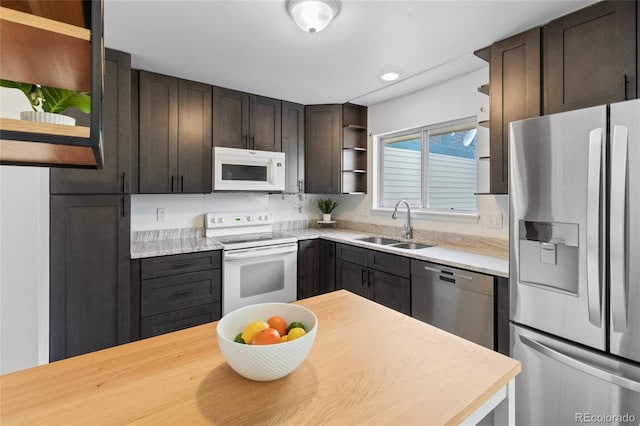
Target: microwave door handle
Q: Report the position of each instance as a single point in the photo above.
(594, 283)
(617, 223)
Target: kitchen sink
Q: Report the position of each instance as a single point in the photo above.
(411, 246)
(379, 240)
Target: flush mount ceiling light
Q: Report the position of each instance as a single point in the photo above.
(390, 76)
(312, 16)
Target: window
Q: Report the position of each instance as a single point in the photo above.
(431, 167)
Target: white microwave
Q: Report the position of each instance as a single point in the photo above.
(247, 170)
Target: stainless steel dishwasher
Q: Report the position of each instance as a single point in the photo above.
(454, 300)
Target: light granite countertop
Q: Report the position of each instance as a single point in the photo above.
(443, 254)
(170, 241)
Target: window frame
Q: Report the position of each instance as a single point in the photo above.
(465, 123)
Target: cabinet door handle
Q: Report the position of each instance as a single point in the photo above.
(625, 82)
(370, 279)
(182, 183)
(124, 182)
(363, 276)
(253, 141)
(182, 265)
(246, 140)
(124, 207)
(172, 179)
(183, 292)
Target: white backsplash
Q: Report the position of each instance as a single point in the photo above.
(187, 210)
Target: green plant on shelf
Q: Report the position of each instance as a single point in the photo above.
(51, 99)
(327, 206)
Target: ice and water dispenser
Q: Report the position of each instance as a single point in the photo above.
(549, 255)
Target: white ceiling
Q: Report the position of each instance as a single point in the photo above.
(254, 45)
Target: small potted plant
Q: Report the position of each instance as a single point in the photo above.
(49, 102)
(326, 207)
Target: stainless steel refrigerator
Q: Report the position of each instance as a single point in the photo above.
(574, 195)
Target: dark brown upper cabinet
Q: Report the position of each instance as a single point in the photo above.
(293, 146)
(230, 118)
(115, 175)
(336, 149)
(175, 135)
(194, 137)
(590, 57)
(323, 149)
(514, 95)
(245, 121)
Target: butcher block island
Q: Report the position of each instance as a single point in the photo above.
(369, 365)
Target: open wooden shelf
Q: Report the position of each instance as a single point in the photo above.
(11, 124)
(354, 149)
(43, 51)
(26, 152)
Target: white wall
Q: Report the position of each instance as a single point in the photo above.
(187, 211)
(450, 100)
(24, 257)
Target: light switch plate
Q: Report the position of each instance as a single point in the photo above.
(161, 214)
(494, 220)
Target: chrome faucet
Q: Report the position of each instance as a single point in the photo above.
(406, 230)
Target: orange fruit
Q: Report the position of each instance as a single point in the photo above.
(279, 324)
(268, 336)
(252, 329)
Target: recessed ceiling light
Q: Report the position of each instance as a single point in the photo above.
(390, 76)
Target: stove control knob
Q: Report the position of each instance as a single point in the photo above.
(248, 218)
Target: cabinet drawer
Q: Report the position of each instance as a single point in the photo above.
(178, 320)
(178, 264)
(166, 294)
(389, 263)
(351, 254)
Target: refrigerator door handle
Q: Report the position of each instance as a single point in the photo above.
(582, 365)
(617, 224)
(593, 227)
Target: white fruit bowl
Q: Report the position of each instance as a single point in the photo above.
(265, 362)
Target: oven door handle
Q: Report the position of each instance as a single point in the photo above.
(259, 252)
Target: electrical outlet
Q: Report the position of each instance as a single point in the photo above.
(494, 220)
(161, 214)
(296, 208)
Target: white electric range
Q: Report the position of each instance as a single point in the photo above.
(259, 265)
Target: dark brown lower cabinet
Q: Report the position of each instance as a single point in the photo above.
(179, 291)
(90, 299)
(381, 277)
(316, 267)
